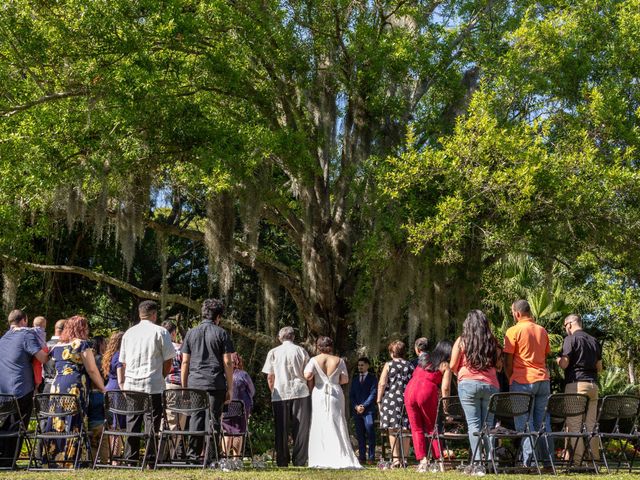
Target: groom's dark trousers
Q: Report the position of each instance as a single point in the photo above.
(294, 415)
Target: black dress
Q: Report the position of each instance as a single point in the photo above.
(400, 372)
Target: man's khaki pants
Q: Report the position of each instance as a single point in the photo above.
(176, 422)
(573, 424)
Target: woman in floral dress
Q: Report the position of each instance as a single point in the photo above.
(393, 380)
(74, 362)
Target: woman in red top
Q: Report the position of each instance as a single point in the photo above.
(421, 398)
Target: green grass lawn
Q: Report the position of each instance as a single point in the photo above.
(278, 474)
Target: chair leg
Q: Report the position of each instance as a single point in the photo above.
(159, 452)
(95, 460)
(205, 454)
(587, 443)
(551, 455)
(147, 444)
(603, 454)
(535, 456)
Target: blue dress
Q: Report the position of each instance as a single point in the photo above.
(119, 421)
(71, 378)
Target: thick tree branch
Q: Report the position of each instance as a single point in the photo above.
(138, 292)
(47, 98)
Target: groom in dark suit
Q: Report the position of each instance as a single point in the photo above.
(363, 409)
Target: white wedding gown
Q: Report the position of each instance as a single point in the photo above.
(329, 443)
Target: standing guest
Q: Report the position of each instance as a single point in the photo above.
(393, 380)
(526, 346)
(112, 368)
(421, 398)
(95, 412)
(290, 398)
(420, 346)
(40, 328)
(146, 353)
(49, 368)
(475, 359)
(363, 409)
(75, 362)
(19, 346)
(113, 371)
(581, 361)
(243, 390)
(207, 365)
(172, 382)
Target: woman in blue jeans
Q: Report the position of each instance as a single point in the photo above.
(475, 358)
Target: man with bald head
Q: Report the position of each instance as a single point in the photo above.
(581, 360)
(50, 366)
(526, 346)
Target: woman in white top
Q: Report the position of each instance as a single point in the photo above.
(329, 443)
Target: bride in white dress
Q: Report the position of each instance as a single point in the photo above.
(329, 443)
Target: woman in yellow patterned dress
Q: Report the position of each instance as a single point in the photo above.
(74, 361)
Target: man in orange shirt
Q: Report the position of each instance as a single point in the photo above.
(526, 346)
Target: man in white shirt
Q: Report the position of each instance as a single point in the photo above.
(146, 353)
(290, 398)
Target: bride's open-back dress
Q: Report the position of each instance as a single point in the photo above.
(329, 443)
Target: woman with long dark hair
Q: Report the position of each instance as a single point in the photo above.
(421, 398)
(475, 358)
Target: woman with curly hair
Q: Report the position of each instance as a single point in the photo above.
(74, 362)
(112, 369)
(475, 359)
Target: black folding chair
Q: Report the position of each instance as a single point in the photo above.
(55, 415)
(125, 402)
(398, 435)
(451, 425)
(235, 412)
(617, 420)
(183, 401)
(12, 428)
(505, 407)
(560, 407)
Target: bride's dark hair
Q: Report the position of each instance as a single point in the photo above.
(324, 345)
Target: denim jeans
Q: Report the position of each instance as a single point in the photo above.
(474, 398)
(540, 392)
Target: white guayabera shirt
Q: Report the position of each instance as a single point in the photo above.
(287, 363)
(145, 347)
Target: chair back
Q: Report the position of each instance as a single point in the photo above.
(566, 405)
(127, 402)
(234, 409)
(8, 408)
(450, 415)
(49, 405)
(509, 405)
(186, 401)
(618, 412)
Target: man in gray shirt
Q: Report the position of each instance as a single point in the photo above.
(290, 398)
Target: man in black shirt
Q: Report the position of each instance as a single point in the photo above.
(581, 360)
(207, 365)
